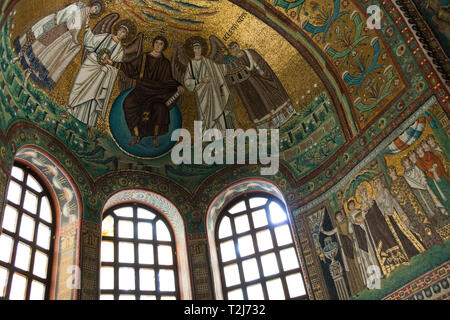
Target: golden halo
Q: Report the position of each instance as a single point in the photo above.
(130, 26)
(189, 46)
(345, 205)
(369, 188)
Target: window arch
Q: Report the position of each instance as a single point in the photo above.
(256, 250)
(138, 255)
(26, 241)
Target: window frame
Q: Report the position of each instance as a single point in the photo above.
(257, 254)
(50, 253)
(116, 292)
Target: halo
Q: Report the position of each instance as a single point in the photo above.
(130, 26)
(345, 205)
(189, 44)
(369, 188)
(102, 7)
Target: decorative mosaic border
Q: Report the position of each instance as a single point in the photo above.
(370, 157)
(431, 286)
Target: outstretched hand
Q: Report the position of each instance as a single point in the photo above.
(181, 90)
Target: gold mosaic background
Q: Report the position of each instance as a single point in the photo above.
(299, 79)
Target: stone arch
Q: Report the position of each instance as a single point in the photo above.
(66, 197)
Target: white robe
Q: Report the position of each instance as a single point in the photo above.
(366, 260)
(418, 181)
(48, 62)
(94, 83)
(211, 97)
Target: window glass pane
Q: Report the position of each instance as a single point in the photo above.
(107, 251)
(225, 228)
(295, 285)
(147, 279)
(17, 173)
(106, 297)
(46, 211)
(264, 239)
(257, 202)
(250, 268)
(168, 298)
(23, 256)
(228, 251)
(31, 202)
(18, 287)
(255, 292)
(166, 280)
(275, 289)
(126, 229)
(162, 233)
(245, 245)
(289, 259)
(107, 278)
(145, 214)
(277, 214)
(126, 252)
(3, 280)
(14, 192)
(145, 231)
(40, 265)
(140, 259)
(239, 207)
(283, 235)
(126, 278)
(165, 255)
(126, 212)
(6, 244)
(37, 291)
(10, 219)
(27, 227)
(242, 224)
(236, 295)
(108, 227)
(270, 264)
(33, 184)
(231, 275)
(44, 236)
(259, 218)
(146, 255)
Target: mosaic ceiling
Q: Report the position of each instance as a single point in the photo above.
(339, 84)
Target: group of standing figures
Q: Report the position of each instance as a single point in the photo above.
(113, 50)
(386, 226)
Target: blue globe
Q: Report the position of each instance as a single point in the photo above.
(145, 148)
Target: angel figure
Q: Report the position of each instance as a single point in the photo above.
(94, 83)
(46, 49)
(205, 76)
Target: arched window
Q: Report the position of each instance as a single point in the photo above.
(256, 250)
(26, 242)
(138, 255)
